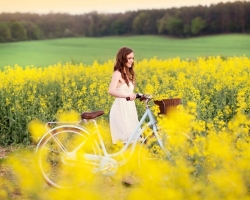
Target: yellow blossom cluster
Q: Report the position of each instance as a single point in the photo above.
(213, 89)
(208, 135)
(204, 165)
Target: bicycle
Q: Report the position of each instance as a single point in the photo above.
(68, 146)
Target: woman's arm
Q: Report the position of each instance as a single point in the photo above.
(113, 85)
(116, 77)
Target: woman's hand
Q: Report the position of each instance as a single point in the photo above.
(131, 97)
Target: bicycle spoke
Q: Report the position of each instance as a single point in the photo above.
(60, 144)
(61, 158)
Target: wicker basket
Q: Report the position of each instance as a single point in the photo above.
(166, 105)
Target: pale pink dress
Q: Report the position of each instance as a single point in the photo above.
(123, 116)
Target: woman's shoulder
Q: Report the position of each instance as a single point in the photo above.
(117, 73)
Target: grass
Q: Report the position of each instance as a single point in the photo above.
(87, 50)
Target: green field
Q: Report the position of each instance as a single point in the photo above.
(86, 50)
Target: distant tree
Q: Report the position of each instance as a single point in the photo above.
(32, 30)
(150, 21)
(68, 33)
(242, 15)
(139, 23)
(187, 30)
(162, 24)
(127, 19)
(186, 15)
(5, 34)
(175, 26)
(213, 20)
(197, 25)
(230, 17)
(103, 25)
(118, 27)
(170, 25)
(224, 16)
(92, 29)
(81, 24)
(18, 32)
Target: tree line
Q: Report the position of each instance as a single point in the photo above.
(230, 17)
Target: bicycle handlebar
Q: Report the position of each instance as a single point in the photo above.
(137, 97)
(142, 97)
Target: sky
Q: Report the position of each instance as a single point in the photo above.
(101, 6)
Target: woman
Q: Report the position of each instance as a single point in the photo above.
(123, 113)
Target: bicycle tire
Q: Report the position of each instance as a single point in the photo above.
(58, 161)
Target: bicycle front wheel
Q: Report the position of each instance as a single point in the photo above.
(153, 148)
(60, 156)
(166, 145)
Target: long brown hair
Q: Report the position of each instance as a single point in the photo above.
(120, 65)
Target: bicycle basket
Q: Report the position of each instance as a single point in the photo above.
(167, 104)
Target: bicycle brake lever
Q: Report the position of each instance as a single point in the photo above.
(145, 97)
(142, 98)
(138, 96)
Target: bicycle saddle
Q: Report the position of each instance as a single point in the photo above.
(91, 115)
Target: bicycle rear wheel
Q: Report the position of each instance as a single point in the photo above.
(60, 156)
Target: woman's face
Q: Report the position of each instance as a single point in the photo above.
(130, 59)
